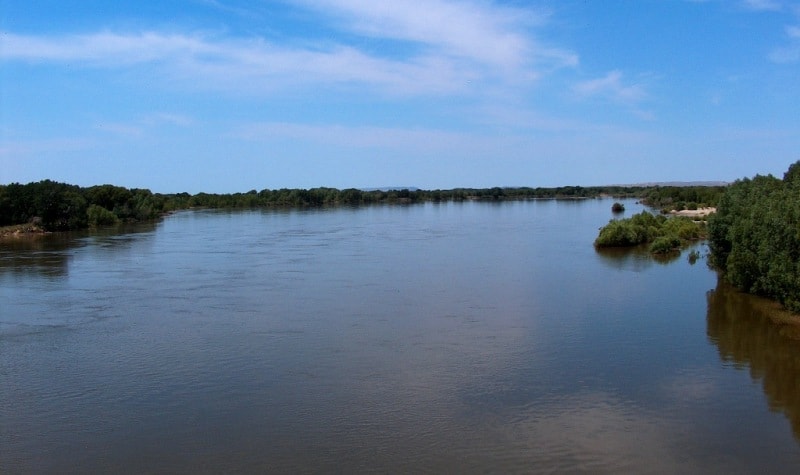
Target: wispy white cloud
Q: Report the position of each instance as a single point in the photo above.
(121, 129)
(394, 138)
(762, 5)
(143, 125)
(159, 118)
(224, 7)
(611, 86)
(789, 53)
(17, 149)
(542, 135)
(104, 48)
(460, 47)
(253, 66)
(480, 32)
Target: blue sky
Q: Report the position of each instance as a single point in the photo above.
(230, 95)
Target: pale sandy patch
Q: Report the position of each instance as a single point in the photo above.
(694, 213)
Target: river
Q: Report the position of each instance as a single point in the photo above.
(453, 337)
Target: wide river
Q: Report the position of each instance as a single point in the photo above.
(437, 338)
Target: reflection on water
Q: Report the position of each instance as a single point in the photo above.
(49, 254)
(746, 332)
(637, 258)
(36, 289)
(43, 255)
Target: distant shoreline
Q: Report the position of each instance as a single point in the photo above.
(52, 206)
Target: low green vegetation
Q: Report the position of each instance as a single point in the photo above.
(662, 233)
(754, 237)
(668, 198)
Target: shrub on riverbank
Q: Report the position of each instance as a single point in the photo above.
(664, 233)
(99, 216)
(665, 244)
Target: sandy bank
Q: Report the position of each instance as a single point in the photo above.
(694, 213)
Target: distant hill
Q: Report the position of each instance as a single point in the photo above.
(627, 185)
(390, 188)
(679, 183)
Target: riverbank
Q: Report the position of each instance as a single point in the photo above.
(21, 230)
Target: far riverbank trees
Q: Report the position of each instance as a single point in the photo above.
(59, 206)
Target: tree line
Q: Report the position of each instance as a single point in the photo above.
(59, 206)
(754, 237)
(667, 198)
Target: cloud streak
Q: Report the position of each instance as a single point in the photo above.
(610, 86)
(459, 48)
(145, 124)
(789, 53)
(365, 137)
(762, 5)
(483, 33)
(253, 66)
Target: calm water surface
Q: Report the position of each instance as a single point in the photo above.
(433, 338)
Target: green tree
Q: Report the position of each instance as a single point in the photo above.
(99, 216)
(755, 236)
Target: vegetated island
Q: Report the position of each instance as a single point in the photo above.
(664, 234)
(753, 236)
(689, 208)
(47, 205)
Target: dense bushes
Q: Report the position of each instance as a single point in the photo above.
(755, 236)
(665, 234)
(99, 216)
(57, 206)
(60, 207)
(665, 244)
(638, 229)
